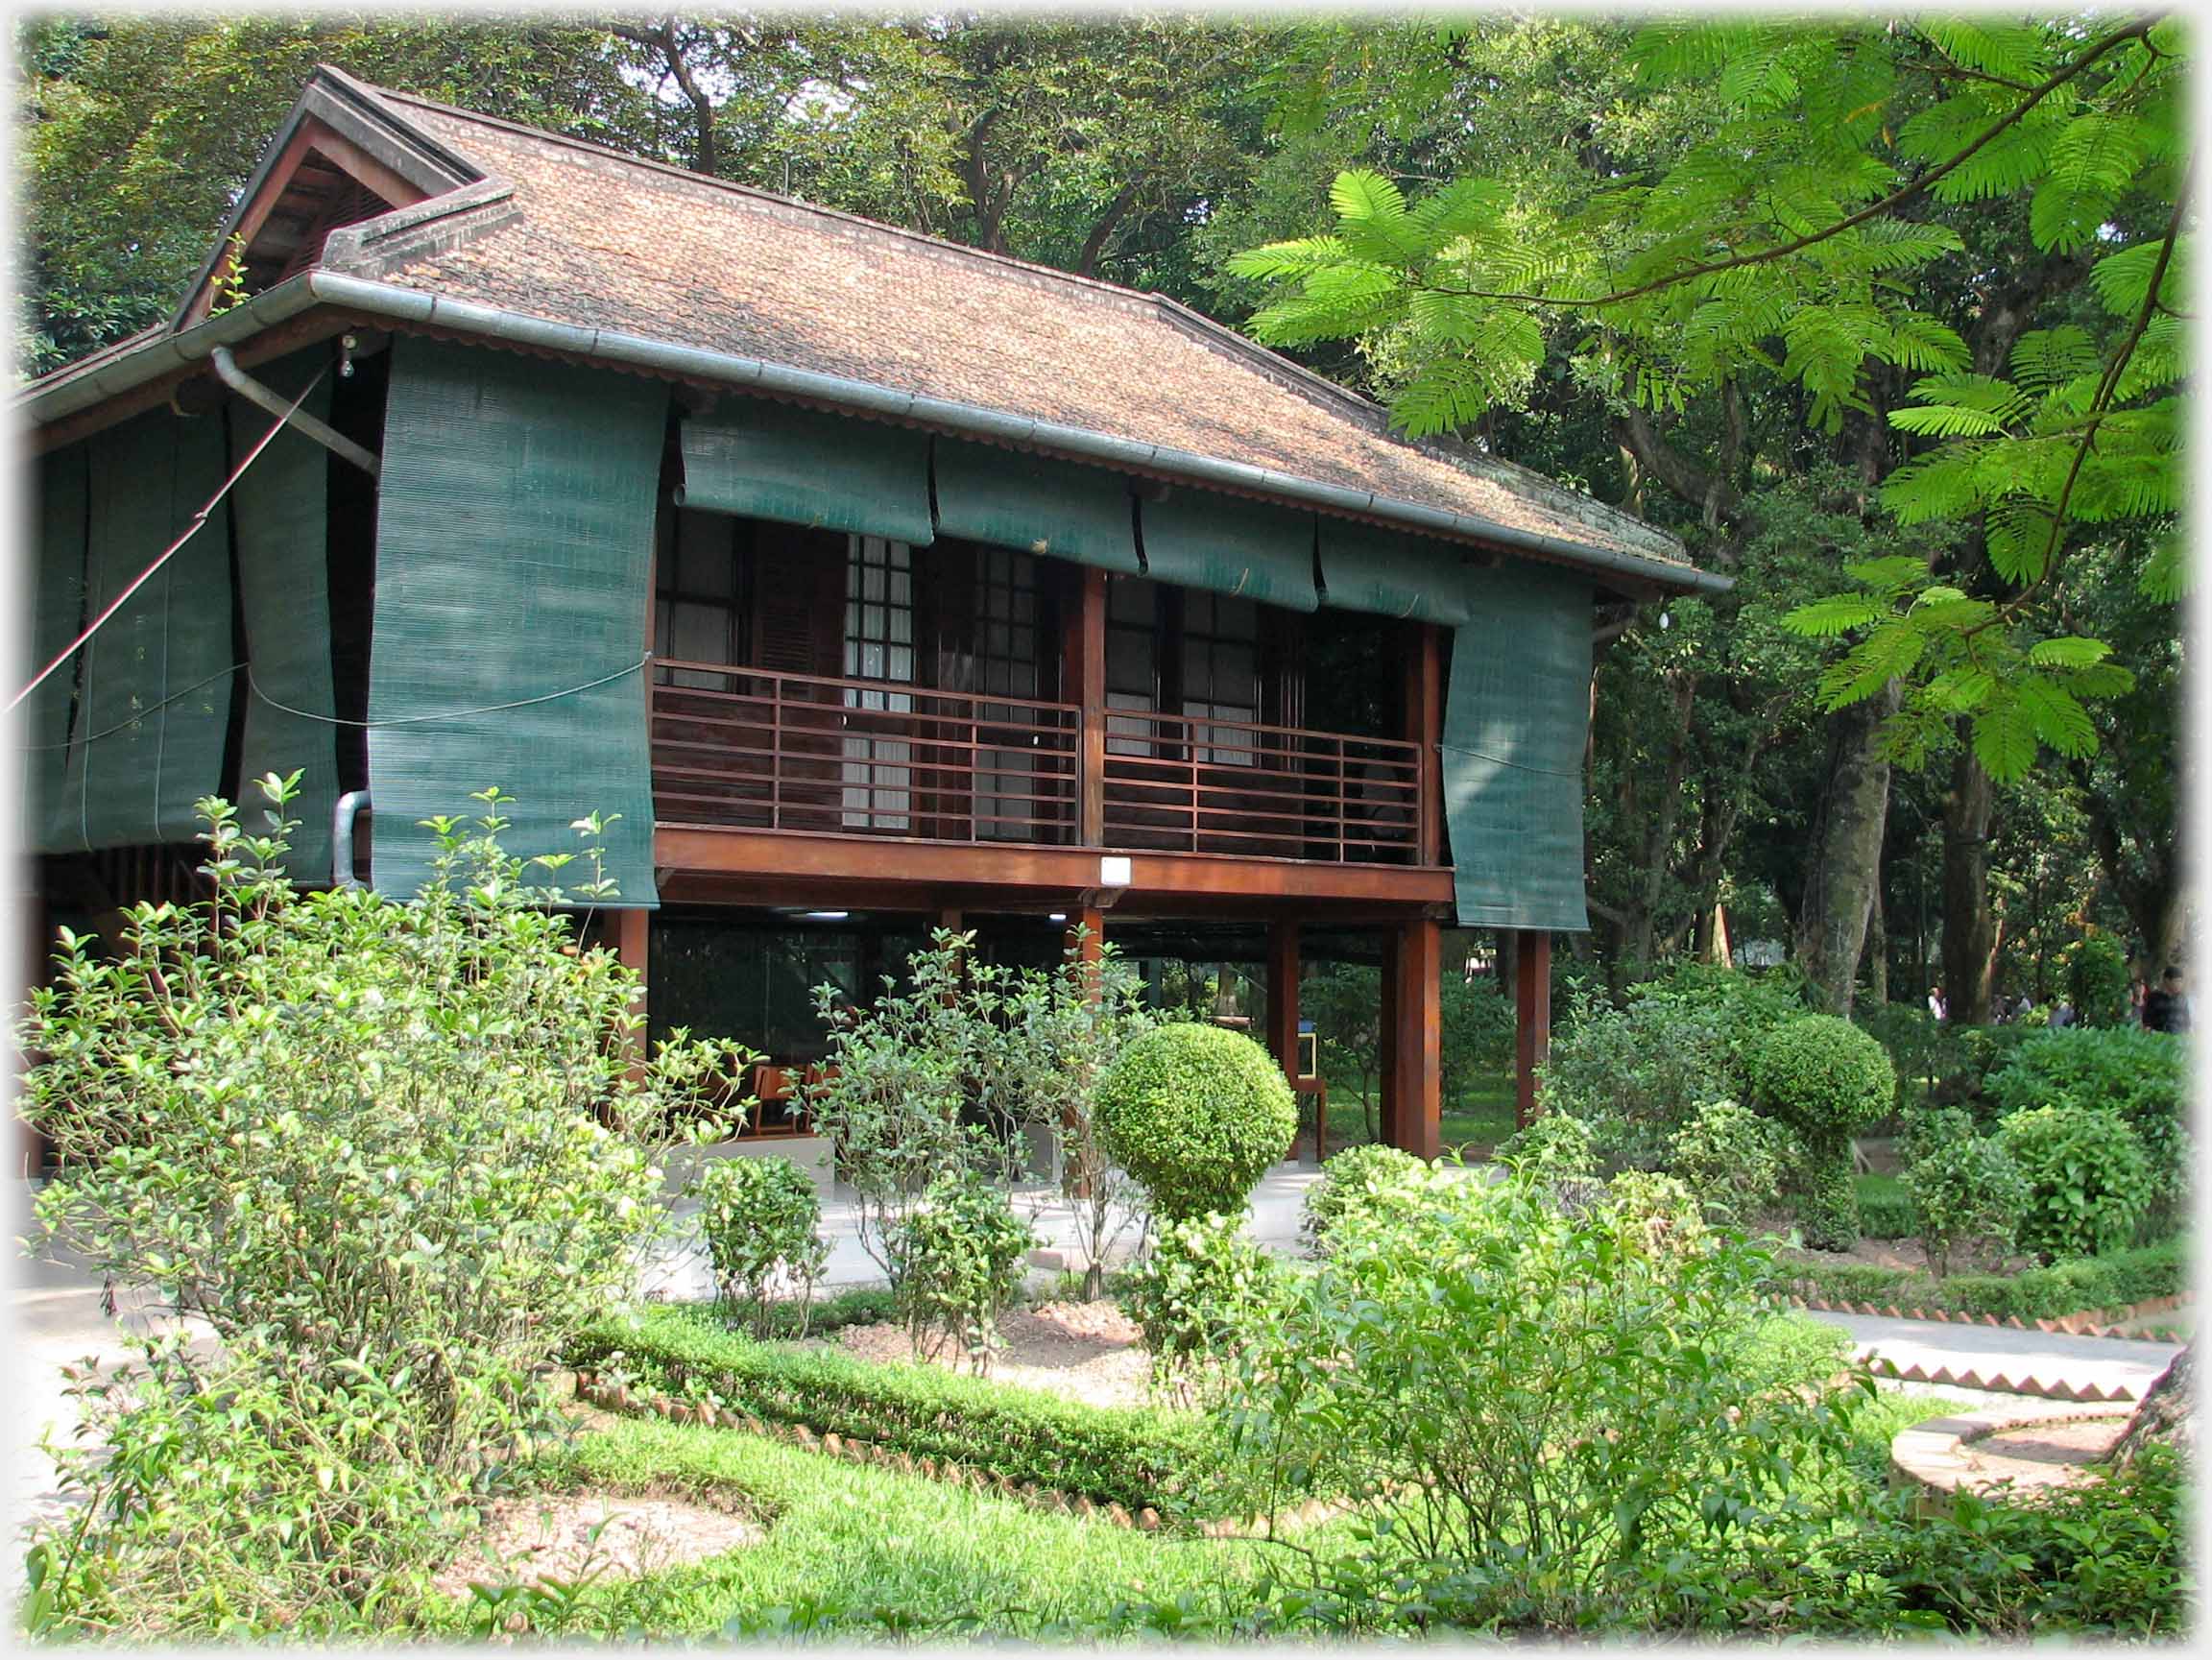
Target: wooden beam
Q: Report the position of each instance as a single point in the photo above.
(1425, 727)
(1084, 685)
(1532, 1018)
(1412, 1105)
(1041, 872)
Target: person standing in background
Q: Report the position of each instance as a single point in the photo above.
(2166, 1009)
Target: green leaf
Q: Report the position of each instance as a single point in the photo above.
(2003, 740)
(2092, 161)
(1838, 613)
(2056, 717)
(2068, 651)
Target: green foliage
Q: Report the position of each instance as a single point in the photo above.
(392, 1154)
(2088, 1179)
(1109, 1454)
(1828, 1205)
(2097, 980)
(1635, 1075)
(1356, 1180)
(2080, 1285)
(2141, 1076)
(1540, 1406)
(1964, 1189)
(1474, 1036)
(1731, 1159)
(1551, 1148)
(1886, 1209)
(1197, 1114)
(960, 1257)
(1823, 1077)
(1200, 1295)
(761, 1218)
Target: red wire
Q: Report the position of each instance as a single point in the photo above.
(199, 519)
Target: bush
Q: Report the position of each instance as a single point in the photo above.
(2097, 980)
(1740, 1008)
(1822, 1076)
(1474, 1036)
(1886, 1209)
(1731, 1159)
(1966, 1188)
(960, 1263)
(2081, 1285)
(1200, 1293)
(1827, 1206)
(392, 1154)
(2087, 1177)
(1354, 1180)
(1636, 1076)
(1196, 1115)
(1544, 1406)
(2140, 1075)
(761, 1218)
(1111, 1455)
(1554, 1146)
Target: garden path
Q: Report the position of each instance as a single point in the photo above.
(2048, 1356)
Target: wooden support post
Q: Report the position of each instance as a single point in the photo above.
(1533, 1017)
(1282, 1011)
(1413, 1002)
(1087, 938)
(1084, 684)
(632, 936)
(1425, 726)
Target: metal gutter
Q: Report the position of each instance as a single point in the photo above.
(228, 371)
(408, 305)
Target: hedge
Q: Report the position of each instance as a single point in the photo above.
(2081, 1285)
(1112, 1455)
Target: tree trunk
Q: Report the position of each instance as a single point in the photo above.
(1845, 851)
(1878, 951)
(1969, 924)
(2167, 1414)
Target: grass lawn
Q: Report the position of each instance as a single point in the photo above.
(863, 1538)
(1477, 1121)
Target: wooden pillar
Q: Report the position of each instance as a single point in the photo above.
(1425, 726)
(633, 935)
(1087, 938)
(1083, 683)
(1386, 1048)
(1533, 1017)
(1412, 1047)
(1282, 996)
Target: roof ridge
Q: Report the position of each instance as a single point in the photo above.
(1135, 297)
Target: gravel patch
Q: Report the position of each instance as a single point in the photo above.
(1089, 1352)
(564, 1537)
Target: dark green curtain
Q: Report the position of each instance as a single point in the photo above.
(1012, 500)
(56, 613)
(281, 509)
(1231, 545)
(1516, 718)
(768, 460)
(154, 707)
(1364, 567)
(514, 539)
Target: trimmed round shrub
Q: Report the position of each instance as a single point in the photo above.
(1828, 1208)
(1353, 1181)
(2088, 1179)
(2139, 1076)
(1196, 1115)
(1822, 1076)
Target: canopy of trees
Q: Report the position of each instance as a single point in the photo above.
(1883, 317)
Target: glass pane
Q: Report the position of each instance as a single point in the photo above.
(1130, 599)
(902, 662)
(704, 563)
(699, 633)
(1237, 618)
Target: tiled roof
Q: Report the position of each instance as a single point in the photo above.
(573, 233)
(602, 240)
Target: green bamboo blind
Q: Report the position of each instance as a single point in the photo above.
(1010, 498)
(1516, 718)
(513, 539)
(767, 460)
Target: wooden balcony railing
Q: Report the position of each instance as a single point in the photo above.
(755, 748)
(751, 749)
(1190, 783)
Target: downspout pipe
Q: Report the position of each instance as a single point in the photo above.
(343, 820)
(228, 371)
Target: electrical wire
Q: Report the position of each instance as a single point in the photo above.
(445, 714)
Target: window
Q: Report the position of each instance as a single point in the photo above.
(700, 614)
(1132, 661)
(1220, 664)
(1006, 663)
(879, 645)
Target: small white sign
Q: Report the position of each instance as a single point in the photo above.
(1113, 870)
